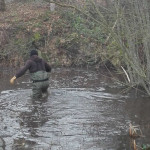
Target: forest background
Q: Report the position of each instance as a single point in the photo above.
(110, 34)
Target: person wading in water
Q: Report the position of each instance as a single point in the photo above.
(39, 72)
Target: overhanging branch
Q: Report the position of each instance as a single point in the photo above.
(79, 10)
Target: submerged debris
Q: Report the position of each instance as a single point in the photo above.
(135, 132)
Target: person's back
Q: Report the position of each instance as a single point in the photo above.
(39, 70)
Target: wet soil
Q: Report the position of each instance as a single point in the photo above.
(85, 110)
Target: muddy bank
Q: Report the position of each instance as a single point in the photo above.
(85, 110)
(26, 26)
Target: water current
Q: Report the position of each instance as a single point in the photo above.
(85, 110)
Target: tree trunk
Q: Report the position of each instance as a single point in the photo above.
(52, 7)
(2, 5)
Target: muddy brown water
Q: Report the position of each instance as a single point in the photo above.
(85, 110)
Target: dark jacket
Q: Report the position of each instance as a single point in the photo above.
(34, 64)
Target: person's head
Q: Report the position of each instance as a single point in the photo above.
(33, 52)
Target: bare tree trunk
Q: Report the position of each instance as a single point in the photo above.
(52, 7)
(2, 5)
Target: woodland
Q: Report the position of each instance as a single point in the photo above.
(108, 34)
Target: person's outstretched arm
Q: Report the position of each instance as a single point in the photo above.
(21, 71)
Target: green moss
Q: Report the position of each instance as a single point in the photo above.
(36, 36)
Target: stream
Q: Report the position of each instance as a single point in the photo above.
(85, 110)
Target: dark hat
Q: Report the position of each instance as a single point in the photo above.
(33, 52)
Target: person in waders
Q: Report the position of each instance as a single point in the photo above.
(39, 72)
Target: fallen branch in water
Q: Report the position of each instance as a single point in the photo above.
(135, 131)
(126, 74)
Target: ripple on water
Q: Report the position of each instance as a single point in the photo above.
(84, 118)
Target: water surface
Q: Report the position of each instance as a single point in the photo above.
(85, 110)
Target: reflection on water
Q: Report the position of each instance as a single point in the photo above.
(84, 111)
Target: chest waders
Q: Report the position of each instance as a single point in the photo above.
(40, 83)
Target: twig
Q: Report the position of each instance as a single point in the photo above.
(110, 33)
(126, 74)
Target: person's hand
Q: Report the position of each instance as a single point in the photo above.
(12, 80)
